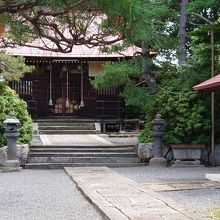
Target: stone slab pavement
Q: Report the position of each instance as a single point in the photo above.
(120, 198)
(83, 139)
(213, 177)
(75, 139)
(191, 188)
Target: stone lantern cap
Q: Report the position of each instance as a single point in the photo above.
(158, 120)
(11, 119)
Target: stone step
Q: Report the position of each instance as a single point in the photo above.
(62, 165)
(61, 123)
(70, 149)
(66, 119)
(83, 146)
(85, 154)
(49, 127)
(83, 160)
(67, 132)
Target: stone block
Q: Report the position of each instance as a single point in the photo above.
(22, 154)
(217, 155)
(3, 155)
(187, 153)
(145, 151)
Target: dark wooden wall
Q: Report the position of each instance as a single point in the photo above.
(94, 100)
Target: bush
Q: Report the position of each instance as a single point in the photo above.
(10, 102)
(187, 116)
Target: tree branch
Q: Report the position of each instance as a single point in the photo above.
(201, 17)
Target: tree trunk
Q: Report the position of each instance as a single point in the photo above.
(146, 70)
(182, 49)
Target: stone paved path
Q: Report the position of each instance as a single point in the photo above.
(75, 139)
(42, 195)
(120, 198)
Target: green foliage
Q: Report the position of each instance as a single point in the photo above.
(135, 20)
(12, 68)
(136, 99)
(10, 102)
(203, 6)
(136, 96)
(186, 115)
(116, 74)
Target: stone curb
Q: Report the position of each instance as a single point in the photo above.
(159, 207)
(213, 177)
(107, 210)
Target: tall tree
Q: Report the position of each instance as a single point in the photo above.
(64, 23)
(182, 48)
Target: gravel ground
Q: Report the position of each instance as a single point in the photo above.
(42, 195)
(202, 200)
(199, 199)
(147, 174)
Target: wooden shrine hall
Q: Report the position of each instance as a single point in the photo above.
(61, 85)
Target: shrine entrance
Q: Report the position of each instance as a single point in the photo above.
(65, 89)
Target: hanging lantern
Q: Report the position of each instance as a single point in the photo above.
(48, 66)
(78, 67)
(50, 103)
(64, 68)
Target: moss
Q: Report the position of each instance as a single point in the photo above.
(216, 213)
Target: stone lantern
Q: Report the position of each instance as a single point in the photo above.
(12, 163)
(157, 133)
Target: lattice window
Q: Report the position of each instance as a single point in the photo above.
(22, 87)
(107, 91)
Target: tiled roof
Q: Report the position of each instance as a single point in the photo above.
(79, 51)
(212, 83)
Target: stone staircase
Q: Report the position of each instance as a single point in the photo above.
(57, 157)
(67, 126)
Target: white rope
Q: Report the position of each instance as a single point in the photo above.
(82, 102)
(67, 87)
(50, 101)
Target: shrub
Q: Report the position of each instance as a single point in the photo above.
(10, 102)
(185, 111)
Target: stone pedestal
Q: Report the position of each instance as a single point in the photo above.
(11, 166)
(158, 162)
(217, 155)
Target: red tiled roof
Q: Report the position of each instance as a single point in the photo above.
(212, 83)
(79, 51)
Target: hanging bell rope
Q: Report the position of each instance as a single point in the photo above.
(82, 102)
(67, 88)
(50, 100)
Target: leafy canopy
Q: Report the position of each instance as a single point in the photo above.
(12, 68)
(88, 22)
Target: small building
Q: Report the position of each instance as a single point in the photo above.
(61, 85)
